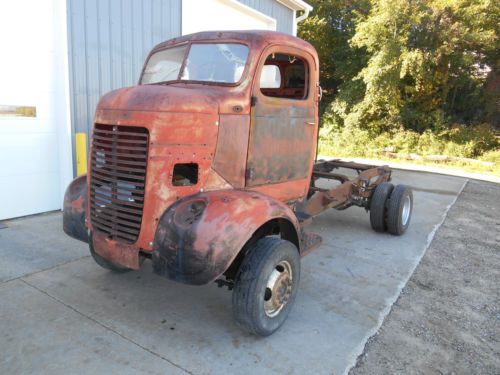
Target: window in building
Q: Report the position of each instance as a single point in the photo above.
(17, 111)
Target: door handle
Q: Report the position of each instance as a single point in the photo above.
(312, 123)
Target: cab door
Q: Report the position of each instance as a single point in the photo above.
(283, 127)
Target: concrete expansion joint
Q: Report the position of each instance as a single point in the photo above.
(102, 324)
(44, 270)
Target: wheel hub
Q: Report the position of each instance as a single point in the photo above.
(405, 214)
(278, 289)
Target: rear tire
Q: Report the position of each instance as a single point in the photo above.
(266, 285)
(378, 206)
(399, 210)
(104, 263)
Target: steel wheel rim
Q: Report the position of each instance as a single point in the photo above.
(406, 210)
(278, 289)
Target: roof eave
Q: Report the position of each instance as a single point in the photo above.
(296, 5)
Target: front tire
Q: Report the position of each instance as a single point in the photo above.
(266, 286)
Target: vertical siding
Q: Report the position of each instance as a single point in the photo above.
(272, 8)
(108, 41)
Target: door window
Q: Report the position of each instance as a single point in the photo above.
(284, 76)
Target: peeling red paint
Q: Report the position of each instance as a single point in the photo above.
(254, 157)
(198, 237)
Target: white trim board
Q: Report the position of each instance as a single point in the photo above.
(211, 15)
(296, 5)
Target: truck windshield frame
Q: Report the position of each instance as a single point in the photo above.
(222, 63)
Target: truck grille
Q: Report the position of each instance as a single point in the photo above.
(117, 180)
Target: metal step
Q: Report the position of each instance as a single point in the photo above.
(309, 242)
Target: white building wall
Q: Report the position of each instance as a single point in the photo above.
(211, 15)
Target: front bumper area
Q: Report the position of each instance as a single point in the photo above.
(116, 252)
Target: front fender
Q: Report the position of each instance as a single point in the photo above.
(199, 236)
(75, 204)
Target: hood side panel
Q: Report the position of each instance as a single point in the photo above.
(231, 152)
(159, 98)
(173, 138)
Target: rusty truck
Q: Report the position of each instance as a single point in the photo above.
(208, 168)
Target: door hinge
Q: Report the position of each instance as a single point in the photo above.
(249, 173)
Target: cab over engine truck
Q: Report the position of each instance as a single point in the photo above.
(208, 168)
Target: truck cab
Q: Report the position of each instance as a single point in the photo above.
(207, 167)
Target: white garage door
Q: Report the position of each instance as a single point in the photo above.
(35, 136)
(209, 15)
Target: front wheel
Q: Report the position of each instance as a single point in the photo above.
(266, 285)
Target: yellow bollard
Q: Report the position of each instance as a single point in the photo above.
(81, 153)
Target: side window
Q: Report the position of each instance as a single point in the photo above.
(284, 76)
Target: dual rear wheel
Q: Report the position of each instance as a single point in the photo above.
(391, 208)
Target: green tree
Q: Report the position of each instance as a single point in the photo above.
(329, 29)
(414, 64)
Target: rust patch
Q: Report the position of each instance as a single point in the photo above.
(116, 252)
(357, 191)
(231, 153)
(283, 131)
(238, 138)
(198, 237)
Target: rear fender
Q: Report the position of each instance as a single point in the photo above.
(199, 236)
(75, 203)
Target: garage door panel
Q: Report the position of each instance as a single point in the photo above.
(28, 194)
(33, 152)
(25, 153)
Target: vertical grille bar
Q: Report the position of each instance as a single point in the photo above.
(117, 180)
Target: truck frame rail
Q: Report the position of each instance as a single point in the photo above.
(349, 192)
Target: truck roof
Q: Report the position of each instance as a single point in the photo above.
(256, 39)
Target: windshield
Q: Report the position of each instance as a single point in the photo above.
(164, 65)
(206, 62)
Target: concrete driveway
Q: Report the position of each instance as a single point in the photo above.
(61, 313)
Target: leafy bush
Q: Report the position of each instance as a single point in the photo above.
(475, 142)
(408, 77)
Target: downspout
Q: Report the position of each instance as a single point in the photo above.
(300, 19)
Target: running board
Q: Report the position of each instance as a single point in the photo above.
(309, 242)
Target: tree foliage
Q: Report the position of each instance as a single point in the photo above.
(389, 65)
